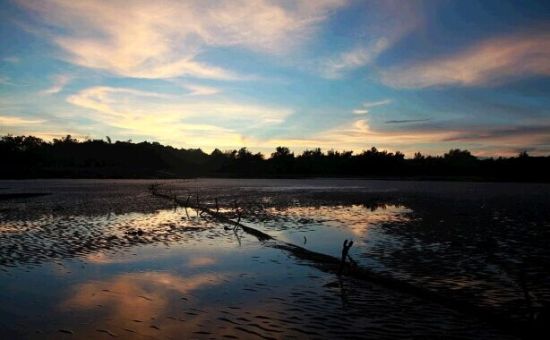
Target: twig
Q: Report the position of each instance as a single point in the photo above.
(345, 250)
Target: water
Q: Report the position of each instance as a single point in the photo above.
(73, 264)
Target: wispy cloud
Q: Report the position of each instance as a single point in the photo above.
(490, 62)
(368, 105)
(165, 39)
(112, 100)
(58, 84)
(358, 135)
(515, 135)
(174, 119)
(406, 121)
(18, 121)
(377, 103)
(384, 24)
(11, 60)
(4, 80)
(200, 90)
(7, 81)
(360, 56)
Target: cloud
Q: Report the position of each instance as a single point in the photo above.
(406, 121)
(164, 39)
(335, 67)
(18, 121)
(200, 90)
(360, 132)
(58, 84)
(12, 60)
(5, 80)
(377, 103)
(112, 100)
(384, 23)
(123, 102)
(173, 119)
(516, 135)
(490, 62)
(367, 105)
(504, 141)
(436, 138)
(358, 135)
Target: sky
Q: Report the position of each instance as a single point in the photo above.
(411, 76)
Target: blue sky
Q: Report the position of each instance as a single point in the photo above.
(347, 75)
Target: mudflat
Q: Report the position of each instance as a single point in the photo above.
(106, 258)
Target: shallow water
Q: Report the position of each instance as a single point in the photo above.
(72, 261)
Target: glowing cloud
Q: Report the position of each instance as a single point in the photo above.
(358, 135)
(58, 84)
(367, 105)
(200, 90)
(493, 61)
(377, 103)
(16, 121)
(172, 119)
(358, 57)
(162, 39)
(483, 141)
(167, 71)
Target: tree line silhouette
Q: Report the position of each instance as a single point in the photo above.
(32, 157)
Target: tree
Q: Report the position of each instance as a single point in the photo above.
(418, 156)
(65, 140)
(282, 152)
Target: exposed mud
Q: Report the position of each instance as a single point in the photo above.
(481, 243)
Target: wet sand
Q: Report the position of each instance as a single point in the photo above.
(106, 258)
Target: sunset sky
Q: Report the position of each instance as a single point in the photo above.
(347, 75)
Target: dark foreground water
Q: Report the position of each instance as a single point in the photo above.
(104, 258)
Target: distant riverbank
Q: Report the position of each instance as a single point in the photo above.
(31, 157)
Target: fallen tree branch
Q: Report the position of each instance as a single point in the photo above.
(332, 264)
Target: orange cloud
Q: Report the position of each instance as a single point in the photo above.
(17, 121)
(167, 118)
(359, 135)
(162, 39)
(58, 84)
(359, 56)
(200, 90)
(490, 62)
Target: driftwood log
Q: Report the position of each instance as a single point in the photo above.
(328, 263)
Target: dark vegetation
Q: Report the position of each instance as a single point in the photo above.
(32, 157)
